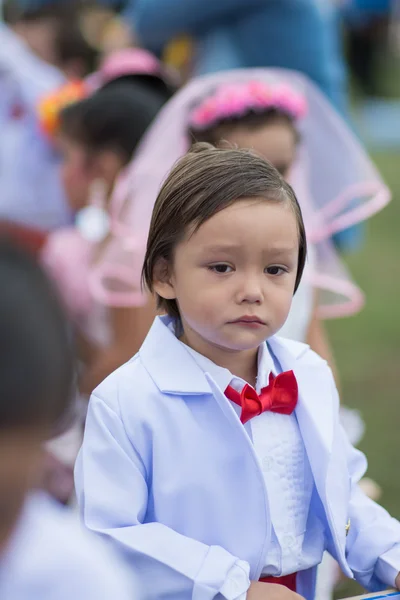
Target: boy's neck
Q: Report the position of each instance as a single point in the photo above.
(241, 363)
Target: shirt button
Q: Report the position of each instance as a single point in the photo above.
(267, 463)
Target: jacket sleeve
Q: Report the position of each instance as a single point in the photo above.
(373, 543)
(158, 21)
(112, 489)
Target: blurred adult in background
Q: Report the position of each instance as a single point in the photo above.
(31, 190)
(40, 48)
(296, 34)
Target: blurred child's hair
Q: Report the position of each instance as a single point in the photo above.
(204, 182)
(114, 118)
(161, 89)
(252, 120)
(36, 363)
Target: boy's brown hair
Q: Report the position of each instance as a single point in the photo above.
(202, 183)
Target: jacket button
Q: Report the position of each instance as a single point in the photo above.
(348, 526)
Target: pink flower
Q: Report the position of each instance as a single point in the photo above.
(232, 101)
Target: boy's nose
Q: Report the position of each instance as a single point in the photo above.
(251, 290)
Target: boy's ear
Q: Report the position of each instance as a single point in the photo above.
(162, 280)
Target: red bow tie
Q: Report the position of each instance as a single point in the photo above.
(279, 396)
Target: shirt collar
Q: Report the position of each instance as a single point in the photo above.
(223, 377)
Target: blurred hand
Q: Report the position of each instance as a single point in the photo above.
(398, 581)
(270, 591)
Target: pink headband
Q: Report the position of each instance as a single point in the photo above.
(130, 61)
(235, 100)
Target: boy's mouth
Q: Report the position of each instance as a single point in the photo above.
(249, 321)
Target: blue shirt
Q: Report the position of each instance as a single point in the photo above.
(297, 34)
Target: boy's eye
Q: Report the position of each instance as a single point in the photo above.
(221, 268)
(275, 270)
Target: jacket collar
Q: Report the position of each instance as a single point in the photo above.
(170, 365)
(175, 371)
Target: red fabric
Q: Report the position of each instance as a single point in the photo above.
(279, 396)
(289, 581)
(30, 239)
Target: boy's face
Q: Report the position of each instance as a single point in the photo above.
(234, 278)
(21, 454)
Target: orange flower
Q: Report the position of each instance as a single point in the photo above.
(50, 106)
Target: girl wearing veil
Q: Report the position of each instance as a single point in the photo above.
(284, 117)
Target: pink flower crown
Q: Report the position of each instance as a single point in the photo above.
(236, 100)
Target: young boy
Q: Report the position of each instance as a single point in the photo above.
(214, 458)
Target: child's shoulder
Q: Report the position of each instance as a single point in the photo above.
(129, 382)
(78, 563)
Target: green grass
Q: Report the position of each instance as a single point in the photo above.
(367, 347)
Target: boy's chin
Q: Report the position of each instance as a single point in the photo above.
(248, 343)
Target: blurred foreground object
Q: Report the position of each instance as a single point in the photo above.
(36, 375)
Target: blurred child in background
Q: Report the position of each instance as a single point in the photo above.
(97, 137)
